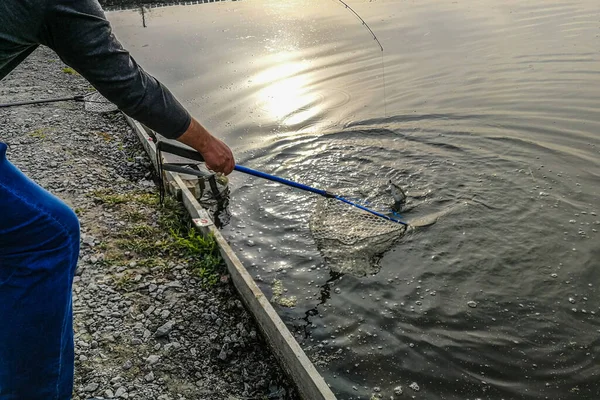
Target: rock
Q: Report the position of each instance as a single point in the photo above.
(152, 359)
(164, 330)
(149, 377)
(91, 387)
(120, 392)
(127, 365)
(223, 353)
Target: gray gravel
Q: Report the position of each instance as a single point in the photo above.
(163, 336)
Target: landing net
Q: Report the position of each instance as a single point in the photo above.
(351, 240)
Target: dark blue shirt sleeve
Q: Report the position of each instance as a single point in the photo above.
(79, 33)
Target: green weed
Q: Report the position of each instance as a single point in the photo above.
(69, 71)
(173, 238)
(39, 133)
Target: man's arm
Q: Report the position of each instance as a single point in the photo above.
(82, 37)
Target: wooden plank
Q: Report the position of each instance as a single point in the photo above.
(288, 352)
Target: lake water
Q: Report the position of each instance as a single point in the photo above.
(487, 112)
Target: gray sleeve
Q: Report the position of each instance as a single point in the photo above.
(82, 37)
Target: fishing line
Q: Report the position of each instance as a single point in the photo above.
(364, 23)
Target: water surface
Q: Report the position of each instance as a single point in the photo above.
(487, 112)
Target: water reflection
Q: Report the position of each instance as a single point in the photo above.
(285, 92)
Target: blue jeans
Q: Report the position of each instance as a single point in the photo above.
(39, 247)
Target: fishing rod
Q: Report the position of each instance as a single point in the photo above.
(364, 23)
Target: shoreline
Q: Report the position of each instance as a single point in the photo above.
(148, 324)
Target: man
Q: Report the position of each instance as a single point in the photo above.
(39, 234)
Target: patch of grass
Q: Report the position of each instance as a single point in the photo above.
(209, 266)
(173, 240)
(39, 133)
(134, 216)
(69, 71)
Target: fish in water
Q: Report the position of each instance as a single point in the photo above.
(398, 195)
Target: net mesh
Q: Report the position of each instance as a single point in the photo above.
(95, 102)
(352, 240)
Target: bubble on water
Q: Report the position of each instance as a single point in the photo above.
(472, 304)
(414, 386)
(571, 300)
(337, 290)
(398, 390)
(411, 344)
(554, 275)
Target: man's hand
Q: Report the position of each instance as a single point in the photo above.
(217, 155)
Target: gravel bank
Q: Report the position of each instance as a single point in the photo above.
(147, 325)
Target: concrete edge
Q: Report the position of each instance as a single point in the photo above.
(290, 355)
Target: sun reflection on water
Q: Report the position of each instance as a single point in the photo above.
(286, 91)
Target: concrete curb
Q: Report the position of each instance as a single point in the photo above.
(288, 352)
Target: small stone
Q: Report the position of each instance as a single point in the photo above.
(165, 329)
(398, 390)
(223, 353)
(109, 393)
(120, 392)
(152, 359)
(127, 365)
(149, 377)
(91, 387)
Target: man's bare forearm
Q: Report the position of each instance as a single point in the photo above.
(217, 155)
